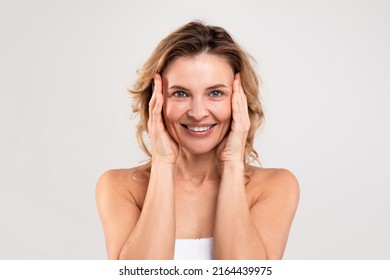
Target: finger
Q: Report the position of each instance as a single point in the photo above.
(236, 82)
(155, 103)
(235, 98)
(239, 90)
(156, 108)
(242, 97)
(158, 95)
(157, 84)
(242, 104)
(156, 88)
(152, 100)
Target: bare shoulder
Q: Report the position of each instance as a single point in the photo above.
(274, 197)
(275, 182)
(129, 184)
(119, 199)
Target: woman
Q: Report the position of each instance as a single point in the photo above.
(197, 197)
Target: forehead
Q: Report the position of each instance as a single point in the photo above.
(200, 70)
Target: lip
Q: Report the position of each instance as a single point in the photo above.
(198, 134)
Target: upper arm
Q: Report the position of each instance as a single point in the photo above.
(274, 211)
(117, 209)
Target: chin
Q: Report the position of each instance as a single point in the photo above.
(198, 150)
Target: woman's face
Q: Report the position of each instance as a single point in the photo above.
(197, 101)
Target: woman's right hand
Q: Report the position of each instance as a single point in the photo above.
(164, 148)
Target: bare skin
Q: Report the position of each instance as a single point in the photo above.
(195, 185)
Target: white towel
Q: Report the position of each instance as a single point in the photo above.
(194, 249)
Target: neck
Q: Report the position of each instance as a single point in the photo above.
(197, 168)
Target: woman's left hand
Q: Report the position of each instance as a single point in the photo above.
(232, 147)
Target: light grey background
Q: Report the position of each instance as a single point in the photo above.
(65, 114)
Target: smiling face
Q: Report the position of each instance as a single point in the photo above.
(197, 101)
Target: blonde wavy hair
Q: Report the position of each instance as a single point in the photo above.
(190, 40)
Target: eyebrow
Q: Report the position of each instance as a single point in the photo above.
(208, 88)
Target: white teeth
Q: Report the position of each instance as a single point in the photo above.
(199, 128)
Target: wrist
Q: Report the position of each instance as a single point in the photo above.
(233, 174)
(161, 161)
(233, 166)
(162, 173)
(162, 165)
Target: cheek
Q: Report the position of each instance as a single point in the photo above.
(166, 109)
(223, 110)
(172, 110)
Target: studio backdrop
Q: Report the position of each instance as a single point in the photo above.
(65, 114)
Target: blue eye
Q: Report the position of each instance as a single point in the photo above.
(180, 94)
(215, 93)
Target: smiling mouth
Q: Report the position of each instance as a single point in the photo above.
(198, 128)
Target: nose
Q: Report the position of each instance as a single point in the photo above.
(198, 109)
